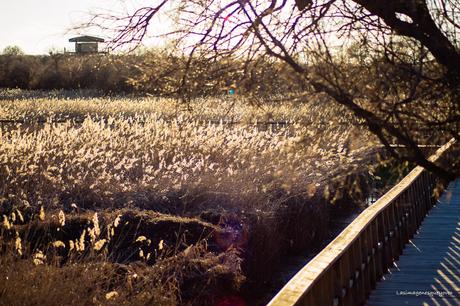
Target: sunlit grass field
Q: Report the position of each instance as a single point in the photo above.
(163, 202)
(76, 105)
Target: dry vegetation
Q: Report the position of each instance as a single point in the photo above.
(146, 202)
(76, 105)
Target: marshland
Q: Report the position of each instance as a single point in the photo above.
(202, 152)
(177, 203)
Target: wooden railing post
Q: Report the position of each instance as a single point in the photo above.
(359, 273)
(378, 247)
(392, 232)
(422, 199)
(400, 236)
(426, 190)
(402, 201)
(372, 255)
(326, 292)
(347, 295)
(411, 214)
(366, 267)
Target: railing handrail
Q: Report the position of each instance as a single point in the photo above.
(293, 292)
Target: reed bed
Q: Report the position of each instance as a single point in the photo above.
(203, 210)
(25, 105)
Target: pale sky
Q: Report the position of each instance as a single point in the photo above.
(36, 26)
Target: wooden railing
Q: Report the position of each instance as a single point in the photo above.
(347, 269)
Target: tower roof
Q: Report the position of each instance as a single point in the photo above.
(86, 38)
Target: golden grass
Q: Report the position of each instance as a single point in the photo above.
(126, 162)
(203, 203)
(31, 106)
(195, 278)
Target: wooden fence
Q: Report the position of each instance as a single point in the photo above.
(345, 271)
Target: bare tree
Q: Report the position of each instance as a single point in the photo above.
(394, 64)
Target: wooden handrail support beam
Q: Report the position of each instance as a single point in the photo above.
(347, 269)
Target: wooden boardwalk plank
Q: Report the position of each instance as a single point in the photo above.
(428, 271)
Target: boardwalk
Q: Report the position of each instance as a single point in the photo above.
(430, 264)
(347, 270)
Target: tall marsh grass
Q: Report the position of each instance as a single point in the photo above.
(204, 210)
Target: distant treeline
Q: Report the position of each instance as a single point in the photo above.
(159, 73)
